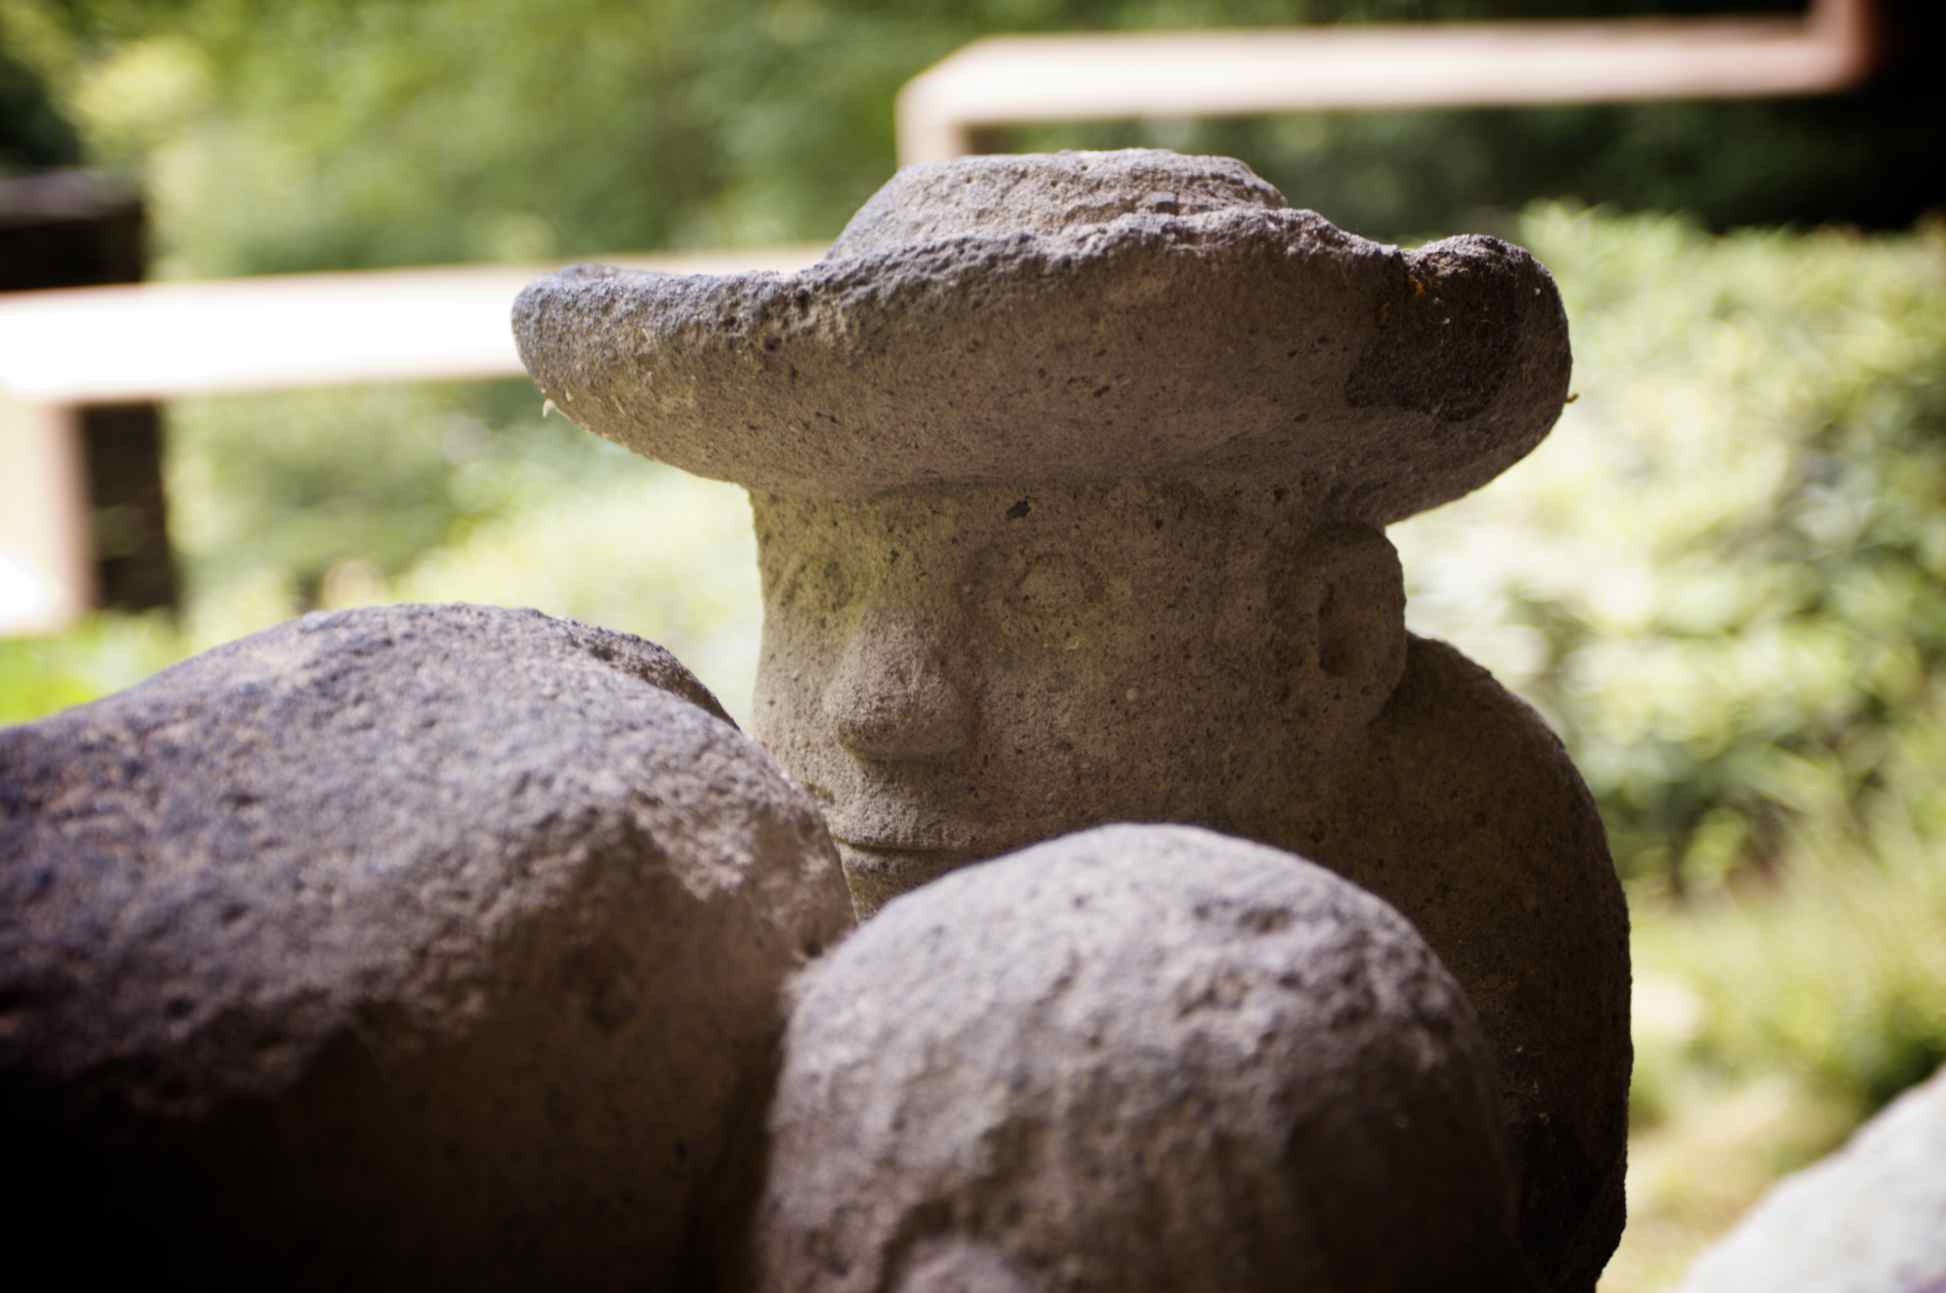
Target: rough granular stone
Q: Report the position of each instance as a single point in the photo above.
(1069, 476)
(1136, 1058)
(955, 682)
(1074, 318)
(395, 949)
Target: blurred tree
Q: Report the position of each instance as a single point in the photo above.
(1724, 574)
(34, 136)
(367, 132)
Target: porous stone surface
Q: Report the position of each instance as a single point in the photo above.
(1459, 806)
(957, 673)
(1136, 1058)
(1098, 315)
(1871, 1218)
(1004, 600)
(399, 948)
(961, 673)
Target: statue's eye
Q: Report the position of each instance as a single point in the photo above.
(1045, 584)
(813, 584)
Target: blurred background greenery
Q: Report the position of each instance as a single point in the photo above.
(1721, 578)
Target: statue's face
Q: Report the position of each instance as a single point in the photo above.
(957, 674)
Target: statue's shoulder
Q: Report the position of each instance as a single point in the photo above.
(1486, 837)
(1456, 745)
(1441, 679)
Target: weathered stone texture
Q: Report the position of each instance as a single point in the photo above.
(1463, 810)
(401, 948)
(958, 673)
(1075, 318)
(1069, 476)
(1137, 1058)
(956, 676)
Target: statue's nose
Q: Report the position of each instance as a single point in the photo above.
(895, 697)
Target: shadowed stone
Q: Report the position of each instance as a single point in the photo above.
(401, 948)
(1069, 476)
(1871, 1218)
(1136, 1058)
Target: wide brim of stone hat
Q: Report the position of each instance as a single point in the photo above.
(1243, 344)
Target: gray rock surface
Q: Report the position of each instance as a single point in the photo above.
(400, 948)
(1005, 600)
(1098, 315)
(957, 676)
(960, 673)
(1871, 1218)
(1460, 807)
(1139, 1058)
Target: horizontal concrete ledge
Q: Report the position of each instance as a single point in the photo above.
(158, 341)
(1015, 80)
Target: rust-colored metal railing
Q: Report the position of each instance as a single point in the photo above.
(1017, 80)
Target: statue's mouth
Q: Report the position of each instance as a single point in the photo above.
(937, 839)
(884, 824)
(878, 872)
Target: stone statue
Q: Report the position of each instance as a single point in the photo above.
(1070, 476)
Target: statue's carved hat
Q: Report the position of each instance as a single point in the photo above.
(1072, 318)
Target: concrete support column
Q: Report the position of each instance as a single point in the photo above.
(47, 575)
(83, 484)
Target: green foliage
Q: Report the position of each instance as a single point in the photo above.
(273, 493)
(1721, 577)
(34, 134)
(1767, 1024)
(1851, 964)
(370, 132)
(375, 132)
(105, 654)
(283, 504)
(646, 549)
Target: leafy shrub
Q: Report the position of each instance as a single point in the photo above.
(105, 653)
(1767, 1025)
(1724, 577)
(33, 133)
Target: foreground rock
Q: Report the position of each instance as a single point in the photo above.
(1869, 1219)
(403, 948)
(1137, 1058)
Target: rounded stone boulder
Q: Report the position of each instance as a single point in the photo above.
(399, 948)
(1148, 1058)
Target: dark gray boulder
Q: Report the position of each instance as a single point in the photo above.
(1145, 1058)
(397, 948)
